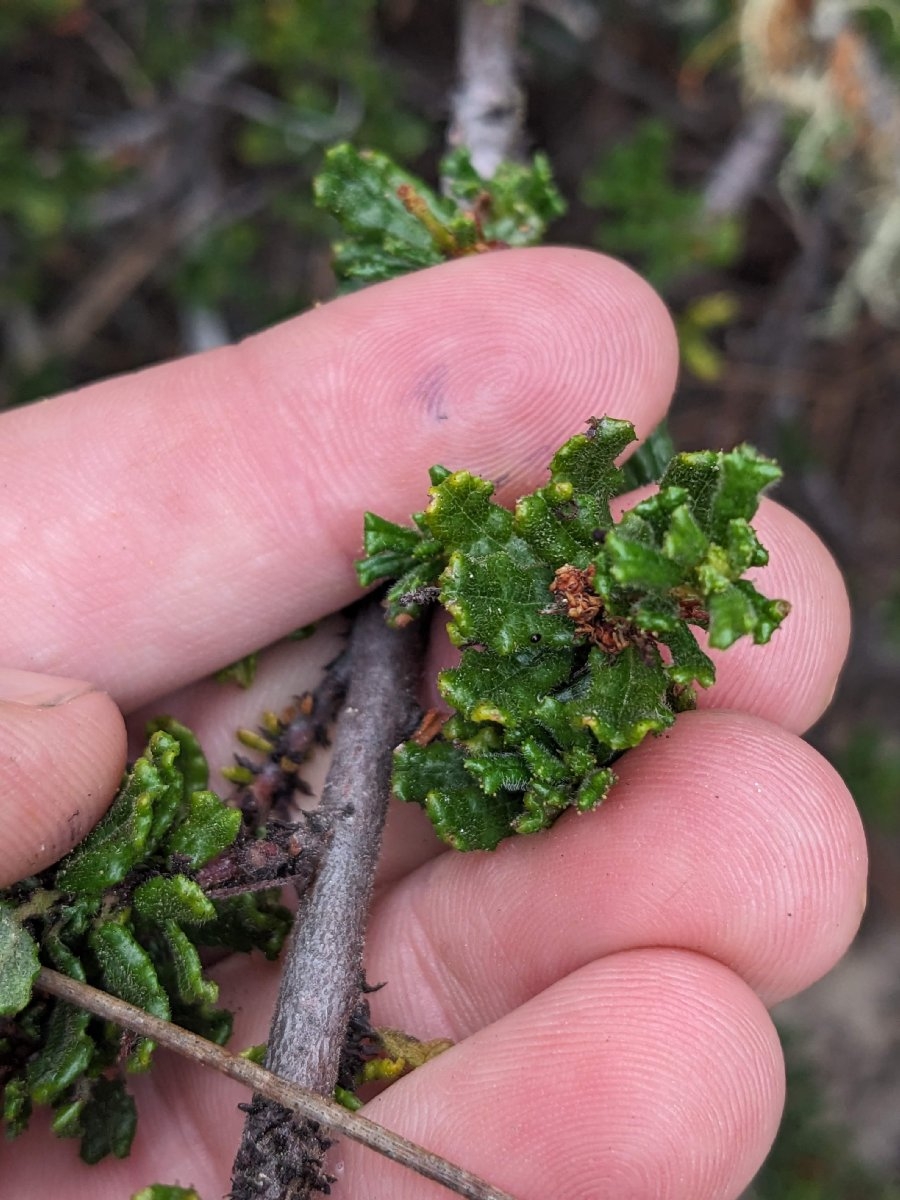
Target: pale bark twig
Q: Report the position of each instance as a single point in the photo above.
(322, 974)
(489, 105)
(745, 166)
(300, 1101)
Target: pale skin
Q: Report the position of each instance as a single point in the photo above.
(607, 982)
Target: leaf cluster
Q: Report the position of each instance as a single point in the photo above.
(576, 630)
(392, 223)
(124, 911)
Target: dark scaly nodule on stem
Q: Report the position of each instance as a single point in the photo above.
(322, 973)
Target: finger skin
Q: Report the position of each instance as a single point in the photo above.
(216, 503)
(62, 753)
(654, 1075)
(727, 836)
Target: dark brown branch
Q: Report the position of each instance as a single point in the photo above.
(322, 973)
(298, 1100)
(275, 781)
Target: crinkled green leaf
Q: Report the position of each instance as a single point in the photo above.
(108, 1121)
(61, 956)
(487, 686)
(689, 662)
(516, 204)
(498, 771)
(209, 827)
(19, 963)
(192, 764)
(625, 698)
(187, 969)
(586, 462)
(67, 1117)
(66, 1053)
(393, 223)
(722, 486)
(462, 515)
(635, 564)
(162, 1191)
(740, 610)
(242, 671)
(500, 601)
(256, 921)
(363, 190)
(541, 805)
(389, 550)
(435, 777)
(127, 969)
(16, 1106)
(140, 814)
(172, 898)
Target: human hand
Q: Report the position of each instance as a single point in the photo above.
(606, 981)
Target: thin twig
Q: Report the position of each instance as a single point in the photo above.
(747, 162)
(302, 1102)
(322, 972)
(489, 106)
(274, 783)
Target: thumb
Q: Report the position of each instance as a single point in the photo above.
(62, 753)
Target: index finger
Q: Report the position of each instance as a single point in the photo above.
(162, 524)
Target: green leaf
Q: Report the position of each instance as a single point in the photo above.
(722, 487)
(144, 808)
(515, 205)
(462, 515)
(127, 969)
(740, 610)
(500, 601)
(172, 898)
(67, 1117)
(365, 192)
(487, 686)
(389, 550)
(187, 968)
(689, 662)
(19, 963)
(393, 223)
(208, 829)
(66, 1053)
(625, 699)
(461, 812)
(162, 1191)
(192, 762)
(16, 1106)
(108, 1121)
(242, 671)
(256, 921)
(637, 565)
(586, 462)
